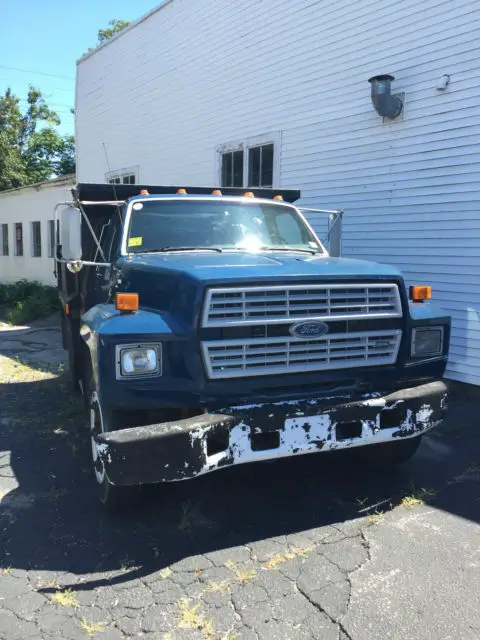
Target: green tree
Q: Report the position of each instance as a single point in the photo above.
(31, 149)
(114, 26)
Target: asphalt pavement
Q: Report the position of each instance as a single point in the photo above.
(312, 547)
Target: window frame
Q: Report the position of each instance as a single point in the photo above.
(51, 238)
(245, 145)
(36, 246)
(5, 239)
(18, 254)
(120, 174)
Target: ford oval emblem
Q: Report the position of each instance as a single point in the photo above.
(309, 330)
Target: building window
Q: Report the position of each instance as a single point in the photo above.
(260, 166)
(250, 163)
(51, 238)
(18, 239)
(232, 169)
(5, 248)
(36, 240)
(122, 177)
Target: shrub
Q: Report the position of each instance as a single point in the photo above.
(28, 300)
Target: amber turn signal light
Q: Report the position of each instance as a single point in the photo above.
(126, 301)
(420, 293)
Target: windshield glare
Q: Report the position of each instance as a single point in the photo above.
(161, 224)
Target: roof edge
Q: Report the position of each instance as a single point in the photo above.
(131, 26)
(55, 182)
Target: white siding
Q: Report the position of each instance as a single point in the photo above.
(26, 205)
(164, 95)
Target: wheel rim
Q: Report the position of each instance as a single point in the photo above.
(96, 427)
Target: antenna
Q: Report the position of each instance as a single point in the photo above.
(108, 167)
(110, 173)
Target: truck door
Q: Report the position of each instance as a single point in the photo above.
(109, 241)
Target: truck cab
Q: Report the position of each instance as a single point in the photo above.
(212, 328)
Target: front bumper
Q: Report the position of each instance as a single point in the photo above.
(184, 449)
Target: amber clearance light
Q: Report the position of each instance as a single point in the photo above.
(420, 293)
(126, 301)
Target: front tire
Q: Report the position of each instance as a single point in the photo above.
(389, 454)
(114, 498)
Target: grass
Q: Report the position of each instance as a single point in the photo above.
(191, 617)
(418, 497)
(25, 301)
(14, 370)
(165, 573)
(65, 598)
(91, 629)
(376, 517)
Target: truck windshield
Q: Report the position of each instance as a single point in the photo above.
(160, 225)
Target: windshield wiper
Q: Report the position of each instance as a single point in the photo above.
(168, 249)
(311, 251)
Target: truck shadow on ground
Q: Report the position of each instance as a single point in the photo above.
(52, 522)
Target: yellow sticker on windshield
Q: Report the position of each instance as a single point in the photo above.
(135, 242)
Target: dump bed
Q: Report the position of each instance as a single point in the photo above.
(92, 192)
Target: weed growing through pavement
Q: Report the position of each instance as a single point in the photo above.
(242, 575)
(376, 517)
(218, 587)
(65, 598)
(187, 517)
(418, 497)
(280, 558)
(91, 629)
(190, 617)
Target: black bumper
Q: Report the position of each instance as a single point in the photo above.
(183, 449)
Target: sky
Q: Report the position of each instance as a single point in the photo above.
(40, 42)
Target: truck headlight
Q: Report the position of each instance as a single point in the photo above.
(427, 342)
(138, 360)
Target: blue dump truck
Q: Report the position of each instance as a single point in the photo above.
(212, 328)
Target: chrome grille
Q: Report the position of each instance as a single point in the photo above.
(274, 356)
(268, 305)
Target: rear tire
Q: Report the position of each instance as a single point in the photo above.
(389, 454)
(114, 498)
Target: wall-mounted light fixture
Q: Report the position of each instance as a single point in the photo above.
(385, 104)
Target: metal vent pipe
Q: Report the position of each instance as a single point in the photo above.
(385, 104)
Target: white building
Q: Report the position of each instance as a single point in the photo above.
(276, 92)
(26, 230)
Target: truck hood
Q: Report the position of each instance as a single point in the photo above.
(175, 283)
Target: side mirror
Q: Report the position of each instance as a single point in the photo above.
(71, 233)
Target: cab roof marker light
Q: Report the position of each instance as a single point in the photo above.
(248, 194)
(278, 197)
(216, 192)
(144, 192)
(182, 192)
